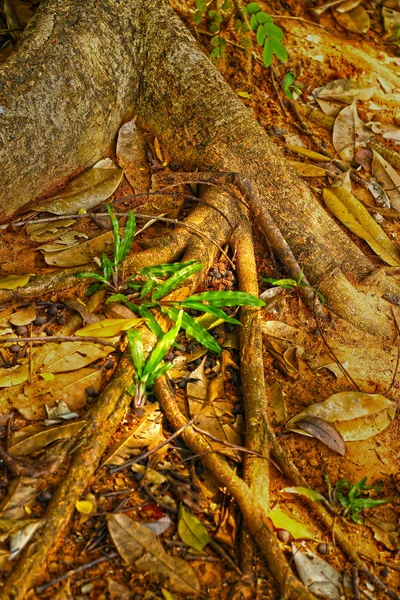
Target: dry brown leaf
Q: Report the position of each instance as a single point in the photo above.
(12, 282)
(306, 170)
(21, 494)
(70, 356)
(32, 438)
(24, 316)
(344, 90)
(348, 132)
(388, 177)
(356, 20)
(131, 155)
(309, 153)
(323, 431)
(81, 254)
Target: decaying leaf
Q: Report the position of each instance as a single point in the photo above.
(347, 5)
(307, 170)
(25, 316)
(332, 110)
(356, 415)
(21, 494)
(85, 191)
(388, 177)
(20, 538)
(348, 132)
(117, 591)
(131, 156)
(356, 20)
(69, 356)
(391, 19)
(69, 239)
(344, 90)
(309, 153)
(81, 254)
(46, 232)
(281, 520)
(303, 491)
(109, 327)
(278, 402)
(323, 431)
(191, 530)
(32, 438)
(139, 546)
(12, 282)
(318, 576)
(385, 533)
(349, 210)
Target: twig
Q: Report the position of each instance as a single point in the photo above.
(57, 338)
(90, 565)
(396, 369)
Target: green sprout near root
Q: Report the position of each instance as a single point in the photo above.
(292, 284)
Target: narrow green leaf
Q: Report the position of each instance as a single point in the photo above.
(137, 351)
(261, 35)
(274, 31)
(175, 280)
(289, 79)
(148, 287)
(163, 346)
(117, 298)
(253, 22)
(107, 266)
(267, 53)
(281, 282)
(152, 324)
(117, 241)
(279, 49)
(252, 8)
(165, 269)
(129, 234)
(226, 298)
(194, 329)
(158, 372)
(208, 308)
(91, 276)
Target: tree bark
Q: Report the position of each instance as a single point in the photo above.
(83, 68)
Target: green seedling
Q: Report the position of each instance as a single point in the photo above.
(292, 284)
(289, 85)
(215, 18)
(268, 35)
(111, 276)
(350, 500)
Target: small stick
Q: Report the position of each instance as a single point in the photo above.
(57, 338)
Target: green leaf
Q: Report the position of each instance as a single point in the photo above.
(267, 54)
(191, 530)
(197, 17)
(279, 49)
(166, 269)
(208, 308)
(201, 5)
(226, 298)
(216, 53)
(163, 346)
(252, 8)
(274, 31)
(137, 351)
(289, 79)
(214, 28)
(91, 276)
(215, 41)
(227, 5)
(158, 372)
(148, 287)
(107, 266)
(152, 324)
(261, 35)
(253, 22)
(194, 329)
(262, 17)
(117, 298)
(117, 241)
(126, 242)
(281, 282)
(175, 280)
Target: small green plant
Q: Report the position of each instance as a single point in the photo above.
(350, 500)
(216, 17)
(292, 284)
(122, 245)
(289, 85)
(269, 35)
(147, 371)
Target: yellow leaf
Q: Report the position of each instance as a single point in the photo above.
(85, 507)
(309, 153)
(356, 20)
(158, 150)
(306, 170)
(109, 327)
(281, 520)
(349, 210)
(47, 376)
(243, 94)
(11, 282)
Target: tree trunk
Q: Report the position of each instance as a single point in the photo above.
(84, 68)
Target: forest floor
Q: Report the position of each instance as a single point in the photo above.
(306, 361)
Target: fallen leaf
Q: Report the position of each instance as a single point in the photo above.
(160, 526)
(278, 402)
(320, 577)
(109, 327)
(347, 5)
(349, 210)
(391, 19)
(356, 415)
(21, 493)
(387, 176)
(309, 153)
(69, 239)
(344, 90)
(191, 530)
(117, 591)
(139, 546)
(32, 438)
(12, 282)
(303, 491)
(306, 170)
(282, 520)
(356, 20)
(385, 533)
(85, 507)
(70, 356)
(131, 155)
(24, 316)
(323, 431)
(48, 231)
(348, 132)
(19, 539)
(86, 191)
(332, 110)
(81, 254)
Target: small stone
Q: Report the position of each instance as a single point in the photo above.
(322, 548)
(191, 348)
(109, 364)
(91, 392)
(48, 331)
(44, 496)
(15, 349)
(182, 384)
(385, 572)
(53, 310)
(283, 536)
(60, 319)
(40, 321)
(21, 330)
(237, 409)
(88, 587)
(170, 356)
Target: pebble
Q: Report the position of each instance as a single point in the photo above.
(44, 496)
(91, 392)
(21, 330)
(15, 349)
(182, 384)
(109, 364)
(60, 319)
(191, 348)
(53, 310)
(48, 331)
(283, 536)
(40, 321)
(385, 572)
(322, 548)
(170, 356)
